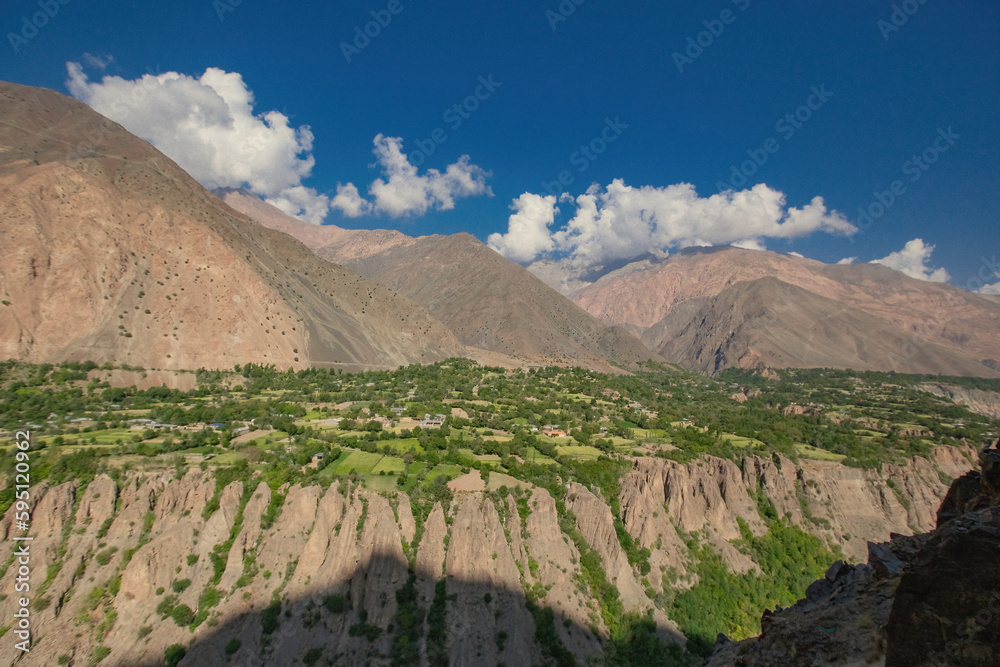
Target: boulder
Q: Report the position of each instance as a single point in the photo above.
(885, 562)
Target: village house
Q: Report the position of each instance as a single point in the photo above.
(436, 420)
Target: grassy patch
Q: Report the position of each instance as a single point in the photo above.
(381, 483)
(389, 464)
(740, 441)
(532, 455)
(361, 462)
(449, 470)
(580, 452)
(228, 458)
(810, 452)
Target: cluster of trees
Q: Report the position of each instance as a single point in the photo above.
(721, 601)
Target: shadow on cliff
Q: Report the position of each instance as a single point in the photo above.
(333, 626)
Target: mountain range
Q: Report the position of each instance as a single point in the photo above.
(703, 308)
(710, 308)
(487, 301)
(112, 253)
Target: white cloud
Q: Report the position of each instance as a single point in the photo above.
(848, 260)
(622, 222)
(993, 288)
(796, 254)
(749, 244)
(207, 125)
(403, 191)
(912, 260)
(349, 201)
(302, 203)
(528, 228)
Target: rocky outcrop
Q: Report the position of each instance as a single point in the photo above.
(844, 506)
(480, 558)
(924, 600)
(947, 607)
(556, 558)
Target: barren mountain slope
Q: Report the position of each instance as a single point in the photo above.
(489, 302)
(350, 243)
(946, 323)
(767, 322)
(110, 252)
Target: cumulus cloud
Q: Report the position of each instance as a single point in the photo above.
(848, 260)
(621, 222)
(349, 201)
(993, 288)
(912, 260)
(528, 234)
(207, 125)
(402, 190)
(749, 244)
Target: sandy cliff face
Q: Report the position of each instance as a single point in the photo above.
(115, 554)
(845, 506)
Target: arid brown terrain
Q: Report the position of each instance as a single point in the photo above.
(111, 252)
(709, 308)
(488, 302)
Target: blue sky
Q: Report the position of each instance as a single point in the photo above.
(565, 76)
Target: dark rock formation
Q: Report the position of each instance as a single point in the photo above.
(947, 606)
(963, 490)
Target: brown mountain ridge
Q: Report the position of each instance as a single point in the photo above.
(113, 253)
(489, 302)
(710, 308)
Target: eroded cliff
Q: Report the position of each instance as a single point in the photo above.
(240, 573)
